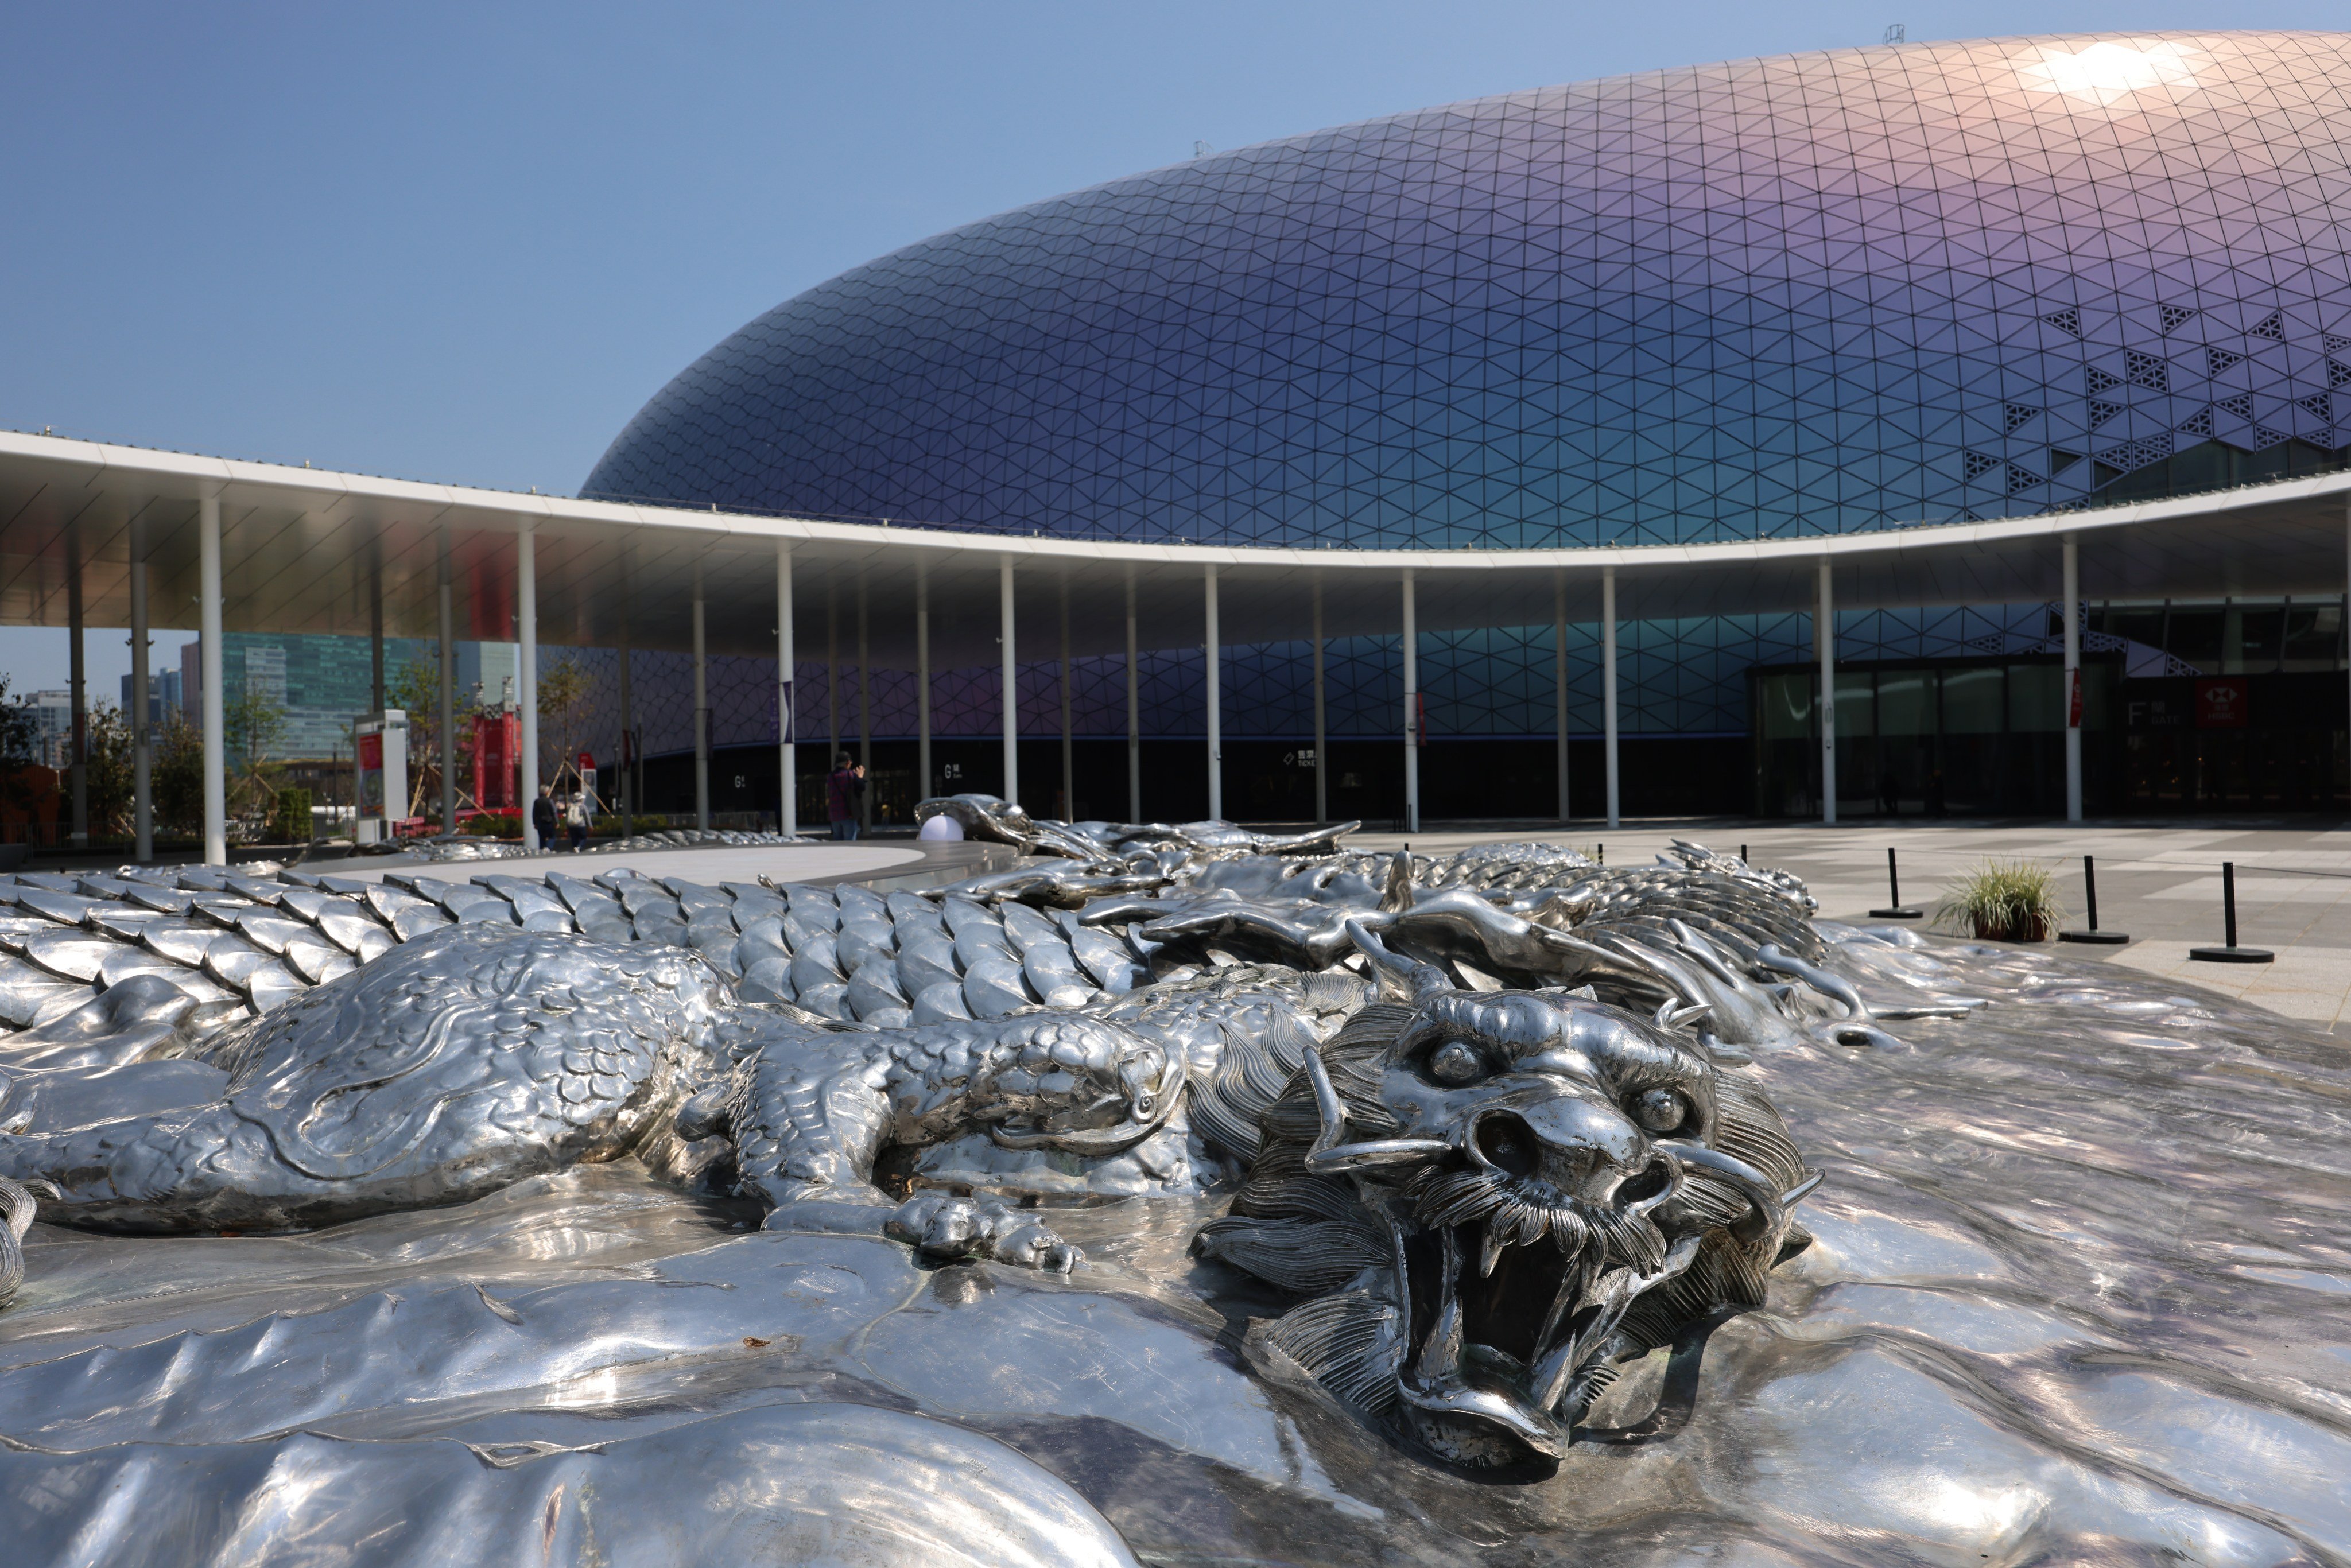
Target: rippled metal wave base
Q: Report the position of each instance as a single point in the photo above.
(2077, 1290)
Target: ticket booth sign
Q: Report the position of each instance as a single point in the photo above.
(382, 768)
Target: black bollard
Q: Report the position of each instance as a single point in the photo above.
(1894, 894)
(2090, 891)
(2231, 954)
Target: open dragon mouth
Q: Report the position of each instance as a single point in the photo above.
(1516, 1291)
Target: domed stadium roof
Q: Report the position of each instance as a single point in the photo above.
(1821, 292)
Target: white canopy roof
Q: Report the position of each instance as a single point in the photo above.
(303, 550)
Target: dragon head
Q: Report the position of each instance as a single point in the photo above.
(1491, 1201)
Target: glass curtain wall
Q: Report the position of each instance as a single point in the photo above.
(1925, 739)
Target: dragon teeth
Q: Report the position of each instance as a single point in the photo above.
(1490, 1252)
(1550, 1375)
(1440, 1358)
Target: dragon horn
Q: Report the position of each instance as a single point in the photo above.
(1401, 978)
(1397, 896)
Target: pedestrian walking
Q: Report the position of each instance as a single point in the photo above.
(842, 792)
(542, 818)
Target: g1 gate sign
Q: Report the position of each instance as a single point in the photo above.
(2215, 703)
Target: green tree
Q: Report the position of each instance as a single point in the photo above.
(563, 692)
(415, 688)
(256, 723)
(289, 818)
(20, 733)
(177, 779)
(110, 775)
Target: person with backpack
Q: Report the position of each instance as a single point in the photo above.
(842, 788)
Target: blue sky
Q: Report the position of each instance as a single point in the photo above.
(464, 242)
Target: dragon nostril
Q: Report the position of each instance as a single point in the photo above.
(1507, 1145)
(1654, 1179)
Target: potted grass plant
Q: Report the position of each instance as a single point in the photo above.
(2004, 902)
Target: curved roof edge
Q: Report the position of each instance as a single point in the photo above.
(301, 543)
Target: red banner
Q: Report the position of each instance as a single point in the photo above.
(2074, 702)
(498, 743)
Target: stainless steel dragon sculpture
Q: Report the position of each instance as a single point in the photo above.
(1491, 1120)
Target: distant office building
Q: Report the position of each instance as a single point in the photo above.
(325, 682)
(489, 673)
(162, 696)
(53, 741)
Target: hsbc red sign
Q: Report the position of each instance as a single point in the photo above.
(2220, 705)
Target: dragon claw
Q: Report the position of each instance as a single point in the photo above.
(942, 1225)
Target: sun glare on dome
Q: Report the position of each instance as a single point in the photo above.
(2106, 72)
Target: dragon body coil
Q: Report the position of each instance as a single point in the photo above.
(1482, 1114)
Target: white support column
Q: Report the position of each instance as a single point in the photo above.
(788, 803)
(1134, 714)
(448, 758)
(2073, 696)
(1824, 632)
(628, 753)
(701, 712)
(142, 734)
(375, 652)
(527, 674)
(1559, 676)
(1210, 651)
(1011, 682)
(924, 785)
(1608, 683)
(208, 627)
(1322, 712)
(1411, 710)
(864, 715)
(1069, 747)
(77, 754)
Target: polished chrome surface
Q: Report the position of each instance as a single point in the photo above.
(460, 847)
(677, 1274)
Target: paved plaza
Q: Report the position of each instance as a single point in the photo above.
(2161, 884)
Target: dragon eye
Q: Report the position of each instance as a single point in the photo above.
(1457, 1062)
(1660, 1110)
